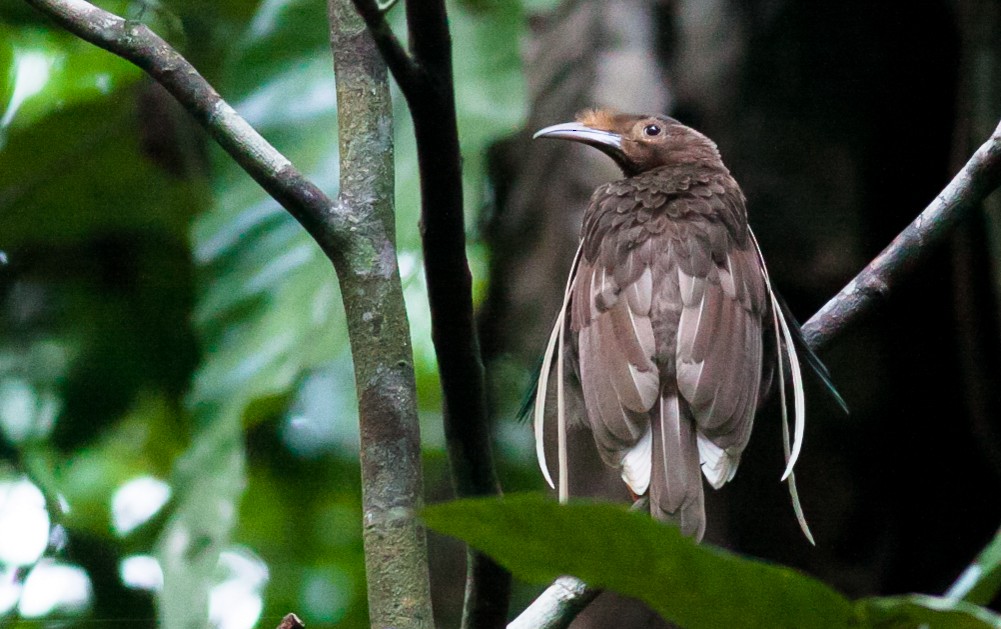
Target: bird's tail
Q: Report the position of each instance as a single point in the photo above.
(676, 477)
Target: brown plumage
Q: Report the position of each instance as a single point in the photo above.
(665, 318)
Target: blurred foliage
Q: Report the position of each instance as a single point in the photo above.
(164, 319)
(687, 583)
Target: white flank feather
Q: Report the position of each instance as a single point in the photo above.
(637, 464)
(793, 493)
(715, 462)
(799, 400)
(539, 414)
(561, 411)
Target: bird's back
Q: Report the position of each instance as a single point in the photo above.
(667, 308)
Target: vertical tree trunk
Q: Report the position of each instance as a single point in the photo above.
(395, 547)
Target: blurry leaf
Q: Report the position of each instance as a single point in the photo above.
(981, 581)
(490, 103)
(145, 442)
(904, 612)
(490, 100)
(269, 309)
(606, 546)
(208, 481)
(490, 85)
(27, 409)
(81, 174)
(317, 562)
(48, 69)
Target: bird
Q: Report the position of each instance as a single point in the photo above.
(669, 323)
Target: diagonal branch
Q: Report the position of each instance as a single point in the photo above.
(967, 190)
(567, 597)
(557, 606)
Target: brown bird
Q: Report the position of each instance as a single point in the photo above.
(669, 320)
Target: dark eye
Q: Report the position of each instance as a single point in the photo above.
(651, 130)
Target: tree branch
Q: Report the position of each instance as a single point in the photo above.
(291, 621)
(357, 234)
(431, 42)
(431, 98)
(557, 606)
(978, 178)
(405, 70)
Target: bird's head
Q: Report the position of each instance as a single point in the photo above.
(637, 143)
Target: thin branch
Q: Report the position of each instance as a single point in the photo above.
(431, 41)
(405, 70)
(564, 600)
(557, 606)
(980, 582)
(978, 178)
(357, 233)
(291, 621)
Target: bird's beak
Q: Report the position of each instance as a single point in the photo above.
(605, 141)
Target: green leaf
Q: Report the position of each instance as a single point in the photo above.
(981, 581)
(45, 69)
(208, 480)
(900, 612)
(609, 547)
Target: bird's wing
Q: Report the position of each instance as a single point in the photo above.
(719, 343)
(610, 314)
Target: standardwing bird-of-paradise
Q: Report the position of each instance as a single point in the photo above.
(669, 321)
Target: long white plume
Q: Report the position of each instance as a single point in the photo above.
(539, 414)
(783, 338)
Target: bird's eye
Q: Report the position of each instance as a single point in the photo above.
(651, 130)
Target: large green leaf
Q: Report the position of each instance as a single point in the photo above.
(691, 585)
(607, 546)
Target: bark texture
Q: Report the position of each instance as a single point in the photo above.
(396, 563)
